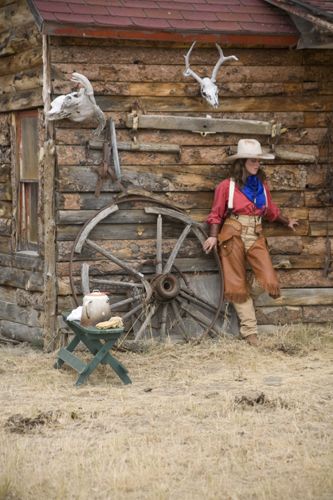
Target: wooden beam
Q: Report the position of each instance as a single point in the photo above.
(48, 194)
(138, 146)
(201, 125)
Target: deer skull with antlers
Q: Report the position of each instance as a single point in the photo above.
(208, 88)
(78, 106)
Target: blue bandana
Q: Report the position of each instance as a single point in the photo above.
(254, 191)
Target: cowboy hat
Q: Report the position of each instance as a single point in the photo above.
(250, 148)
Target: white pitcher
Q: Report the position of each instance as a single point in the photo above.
(96, 307)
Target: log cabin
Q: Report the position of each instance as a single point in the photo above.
(171, 146)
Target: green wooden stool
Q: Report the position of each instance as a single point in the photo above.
(92, 338)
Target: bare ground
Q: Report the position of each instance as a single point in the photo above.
(219, 420)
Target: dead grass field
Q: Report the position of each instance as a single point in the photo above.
(219, 420)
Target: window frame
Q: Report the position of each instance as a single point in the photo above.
(27, 192)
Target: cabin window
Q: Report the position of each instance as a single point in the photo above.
(27, 176)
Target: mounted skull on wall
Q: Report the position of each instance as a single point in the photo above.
(78, 106)
(208, 88)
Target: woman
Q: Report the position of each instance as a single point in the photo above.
(239, 204)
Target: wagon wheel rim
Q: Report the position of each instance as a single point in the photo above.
(168, 292)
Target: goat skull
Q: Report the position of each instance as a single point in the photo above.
(78, 106)
(208, 88)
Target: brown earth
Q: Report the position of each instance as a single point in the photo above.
(219, 420)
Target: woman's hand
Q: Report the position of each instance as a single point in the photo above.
(292, 223)
(209, 244)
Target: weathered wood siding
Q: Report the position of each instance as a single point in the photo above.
(288, 86)
(21, 274)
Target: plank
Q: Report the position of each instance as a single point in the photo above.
(71, 360)
(197, 124)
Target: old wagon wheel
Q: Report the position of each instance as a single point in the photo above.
(156, 295)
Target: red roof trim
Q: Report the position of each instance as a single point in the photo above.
(239, 39)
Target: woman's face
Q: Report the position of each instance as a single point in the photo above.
(252, 166)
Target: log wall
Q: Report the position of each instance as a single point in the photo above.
(292, 87)
(21, 274)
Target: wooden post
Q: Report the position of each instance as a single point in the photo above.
(50, 289)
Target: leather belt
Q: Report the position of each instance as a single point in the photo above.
(247, 220)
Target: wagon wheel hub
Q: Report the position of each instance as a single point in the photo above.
(165, 287)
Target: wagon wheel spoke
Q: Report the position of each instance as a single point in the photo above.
(179, 320)
(174, 253)
(192, 297)
(163, 321)
(132, 311)
(116, 283)
(198, 316)
(124, 302)
(85, 278)
(152, 311)
(114, 259)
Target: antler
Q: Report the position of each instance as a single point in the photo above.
(188, 71)
(219, 63)
(89, 92)
(88, 89)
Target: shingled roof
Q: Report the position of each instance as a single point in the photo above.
(313, 19)
(247, 22)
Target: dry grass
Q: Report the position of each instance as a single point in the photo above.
(220, 420)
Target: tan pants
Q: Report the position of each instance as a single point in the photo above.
(245, 311)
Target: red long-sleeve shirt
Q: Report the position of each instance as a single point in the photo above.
(242, 205)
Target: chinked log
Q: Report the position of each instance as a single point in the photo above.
(22, 315)
(299, 297)
(19, 332)
(304, 278)
(85, 50)
(183, 200)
